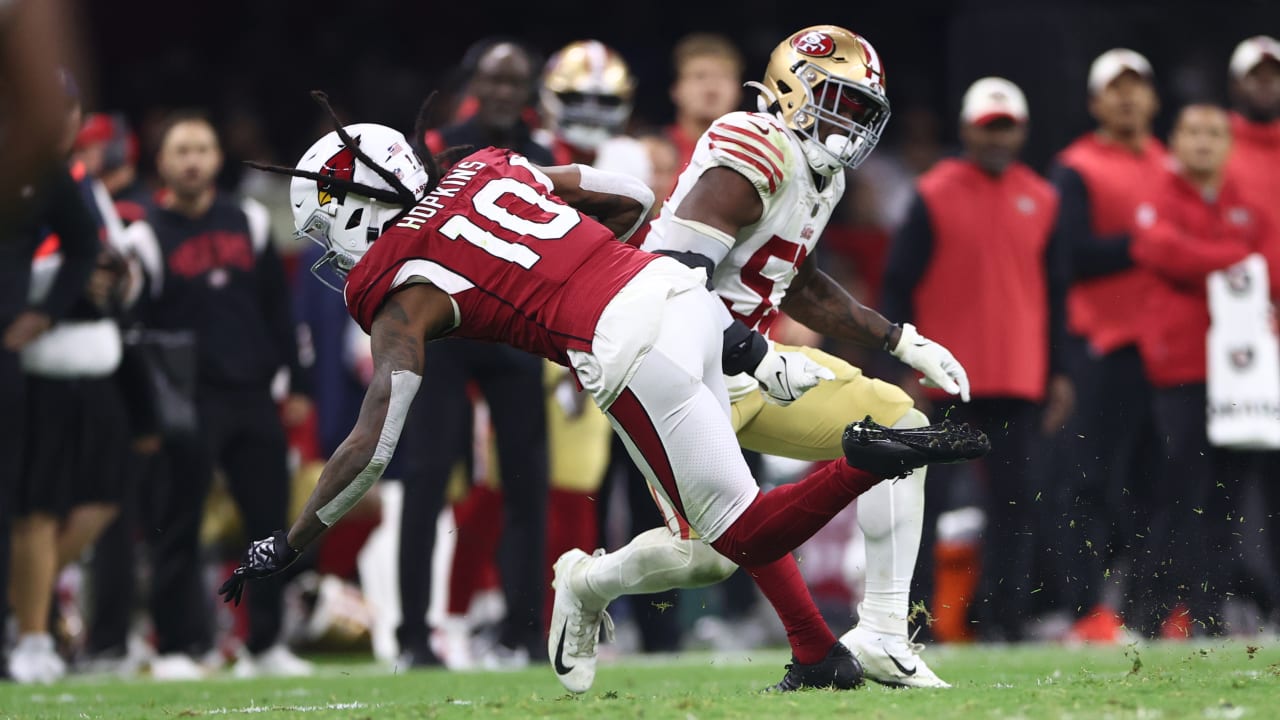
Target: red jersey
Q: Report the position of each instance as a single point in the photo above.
(1180, 237)
(685, 145)
(522, 267)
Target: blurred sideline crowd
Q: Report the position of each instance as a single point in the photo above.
(173, 378)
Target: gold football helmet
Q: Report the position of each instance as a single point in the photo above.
(586, 94)
(826, 77)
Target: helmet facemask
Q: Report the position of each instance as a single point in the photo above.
(831, 101)
(826, 85)
(332, 267)
(586, 120)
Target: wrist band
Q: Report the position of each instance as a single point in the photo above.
(889, 335)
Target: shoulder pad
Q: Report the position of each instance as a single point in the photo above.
(754, 145)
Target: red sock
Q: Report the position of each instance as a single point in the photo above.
(571, 523)
(781, 583)
(479, 528)
(780, 520)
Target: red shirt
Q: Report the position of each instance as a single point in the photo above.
(1255, 164)
(522, 267)
(685, 145)
(1107, 310)
(985, 293)
(1179, 237)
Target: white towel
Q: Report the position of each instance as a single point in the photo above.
(1243, 383)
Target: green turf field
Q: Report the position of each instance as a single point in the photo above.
(1224, 679)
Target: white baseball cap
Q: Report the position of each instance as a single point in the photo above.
(1112, 64)
(1252, 51)
(990, 98)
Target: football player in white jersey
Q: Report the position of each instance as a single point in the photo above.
(749, 208)
(585, 99)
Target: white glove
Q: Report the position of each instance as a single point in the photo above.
(785, 376)
(939, 367)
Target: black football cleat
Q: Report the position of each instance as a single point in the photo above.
(895, 452)
(839, 670)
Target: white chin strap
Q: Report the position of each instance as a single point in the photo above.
(825, 159)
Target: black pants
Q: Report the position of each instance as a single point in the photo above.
(1201, 531)
(1011, 484)
(432, 442)
(113, 566)
(239, 431)
(1108, 457)
(12, 408)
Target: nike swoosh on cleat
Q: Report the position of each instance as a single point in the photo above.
(562, 669)
(892, 659)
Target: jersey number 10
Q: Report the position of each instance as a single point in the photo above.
(532, 203)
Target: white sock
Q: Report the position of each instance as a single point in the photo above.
(655, 560)
(891, 516)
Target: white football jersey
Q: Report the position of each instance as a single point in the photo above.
(753, 279)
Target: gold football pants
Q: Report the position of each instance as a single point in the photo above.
(811, 427)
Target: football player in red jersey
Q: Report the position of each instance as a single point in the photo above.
(500, 250)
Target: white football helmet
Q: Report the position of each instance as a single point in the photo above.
(345, 215)
(817, 76)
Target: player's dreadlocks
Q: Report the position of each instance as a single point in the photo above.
(399, 194)
(434, 162)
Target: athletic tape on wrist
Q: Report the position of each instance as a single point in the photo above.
(404, 385)
(617, 184)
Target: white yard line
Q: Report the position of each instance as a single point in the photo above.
(252, 709)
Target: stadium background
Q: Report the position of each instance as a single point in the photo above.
(379, 58)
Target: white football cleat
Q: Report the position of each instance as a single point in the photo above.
(276, 661)
(501, 658)
(35, 660)
(891, 659)
(176, 666)
(575, 626)
(451, 642)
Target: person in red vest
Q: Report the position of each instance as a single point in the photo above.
(1110, 449)
(1197, 221)
(982, 228)
(1255, 124)
(707, 85)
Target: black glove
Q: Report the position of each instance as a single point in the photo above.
(264, 558)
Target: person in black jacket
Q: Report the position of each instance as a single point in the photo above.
(211, 268)
(501, 81)
(52, 204)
